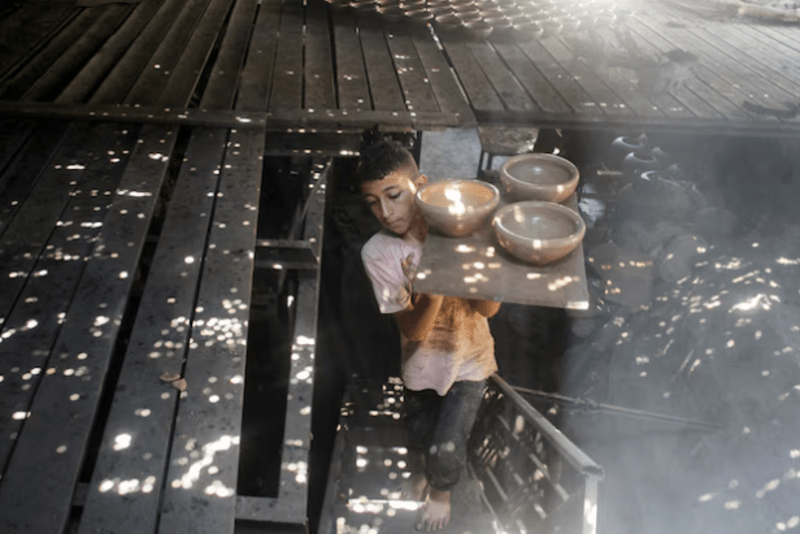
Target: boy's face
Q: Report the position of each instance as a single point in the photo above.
(391, 199)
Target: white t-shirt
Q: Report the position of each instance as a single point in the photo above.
(459, 347)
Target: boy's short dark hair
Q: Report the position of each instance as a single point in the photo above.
(382, 159)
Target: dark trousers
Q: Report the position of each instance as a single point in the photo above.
(439, 427)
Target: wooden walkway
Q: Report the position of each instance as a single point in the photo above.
(136, 131)
(653, 67)
(311, 65)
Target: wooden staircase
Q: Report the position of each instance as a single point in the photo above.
(523, 475)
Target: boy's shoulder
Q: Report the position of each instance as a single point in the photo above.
(385, 243)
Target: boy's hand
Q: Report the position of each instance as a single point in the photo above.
(410, 272)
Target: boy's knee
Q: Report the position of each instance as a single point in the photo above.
(443, 465)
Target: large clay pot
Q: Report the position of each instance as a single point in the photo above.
(637, 162)
(622, 146)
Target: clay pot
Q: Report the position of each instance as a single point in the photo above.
(622, 146)
(638, 162)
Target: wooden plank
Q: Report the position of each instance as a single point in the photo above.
(147, 115)
(15, 86)
(36, 493)
(318, 75)
(186, 73)
(287, 80)
(24, 237)
(94, 71)
(563, 81)
(395, 120)
(256, 79)
(717, 92)
(41, 305)
(215, 362)
(534, 82)
(124, 74)
(680, 89)
(621, 82)
(147, 88)
(351, 76)
(222, 83)
(780, 58)
(479, 90)
(734, 70)
(628, 69)
(384, 86)
(52, 81)
(413, 78)
(770, 65)
(293, 488)
(23, 32)
(448, 93)
(13, 134)
(505, 84)
(20, 175)
(156, 348)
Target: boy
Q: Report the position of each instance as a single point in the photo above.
(447, 348)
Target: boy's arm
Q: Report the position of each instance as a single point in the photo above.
(417, 320)
(487, 308)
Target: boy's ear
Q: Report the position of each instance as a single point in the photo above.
(421, 180)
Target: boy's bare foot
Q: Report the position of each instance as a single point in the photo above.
(436, 513)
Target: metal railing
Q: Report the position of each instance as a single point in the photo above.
(534, 478)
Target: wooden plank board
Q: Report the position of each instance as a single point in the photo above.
(621, 82)
(223, 81)
(449, 94)
(351, 76)
(144, 406)
(256, 79)
(628, 61)
(679, 80)
(318, 75)
(36, 494)
(17, 85)
(505, 84)
(41, 305)
(776, 67)
(594, 85)
(13, 134)
(543, 93)
(147, 88)
(93, 37)
(561, 80)
(184, 77)
(21, 173)
(413, 78)
(124, 74)
(779, 57)
(479, 90)
(287, 80)
(715, 91)
(23, 31)
(294, 486)
(24, 237)
(734, 70)
(215, 362)
(100, 64)
(387, 95)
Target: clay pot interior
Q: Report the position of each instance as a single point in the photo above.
(538, 232)
(539, 176)
(457, 207)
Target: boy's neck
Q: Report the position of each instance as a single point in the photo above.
(417, 233)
